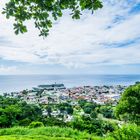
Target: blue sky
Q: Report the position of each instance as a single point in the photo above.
(107, 42)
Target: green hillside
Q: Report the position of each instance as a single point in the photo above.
(126, 132)
(44, 133)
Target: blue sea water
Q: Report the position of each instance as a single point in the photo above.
(10, 83)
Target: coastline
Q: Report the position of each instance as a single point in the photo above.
(58, 93)
(15, 83)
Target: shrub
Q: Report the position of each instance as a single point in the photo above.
(52, 121)
(25, 122)
(127, 132)
(36, 124)
(109, 126)
(107, 111)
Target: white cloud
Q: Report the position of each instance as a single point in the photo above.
(8, 69)
(78, 43)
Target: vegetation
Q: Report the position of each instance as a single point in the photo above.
(128, 108)
(44, 12)
(89, 120)
(43, 133)
(127, 132)
(14, 112)
(107, 111)
(36, 124)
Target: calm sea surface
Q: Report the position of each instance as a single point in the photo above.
(10, 83)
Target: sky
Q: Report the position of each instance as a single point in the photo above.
(107, 42)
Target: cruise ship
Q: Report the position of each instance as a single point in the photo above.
(49, 87)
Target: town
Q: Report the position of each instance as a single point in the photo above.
(58, 93)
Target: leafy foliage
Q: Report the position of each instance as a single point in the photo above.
(36, 124)
(44, 133)
(127, 132)
(65, 107)
(107, 111)
(53, 121)
(43, 12)
(14, 112)
(93, 125)
(128, 108)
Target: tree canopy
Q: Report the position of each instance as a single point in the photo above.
(15, 112)
(44, 12)
(129, 104)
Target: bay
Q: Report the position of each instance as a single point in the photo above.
(9, 83)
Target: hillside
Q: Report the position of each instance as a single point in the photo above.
(44, 133)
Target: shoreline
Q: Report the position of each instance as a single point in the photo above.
(68, 87)
(59, 93)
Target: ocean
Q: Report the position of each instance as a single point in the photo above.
(10, 83)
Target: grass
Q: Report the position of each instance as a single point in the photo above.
(33, 138)
(44, 133)
(127, 132)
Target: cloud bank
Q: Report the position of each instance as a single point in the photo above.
(111, 36)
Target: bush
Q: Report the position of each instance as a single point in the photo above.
(127, 132)
(24, 122)
(109, 126)
(52, 121)
(36, 124)
(107, 111)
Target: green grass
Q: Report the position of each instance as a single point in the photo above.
(44, 133)
(126, 132)
(33, 138)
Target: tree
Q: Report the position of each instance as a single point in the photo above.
(44, 12)
(54, 121)
(107, 111)
(128, 107)
(93, 114)
(49, 110)
(14, 112)
(82, 102)
(69, 110)
(89, 107)
(25, 92)
(30, 111)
